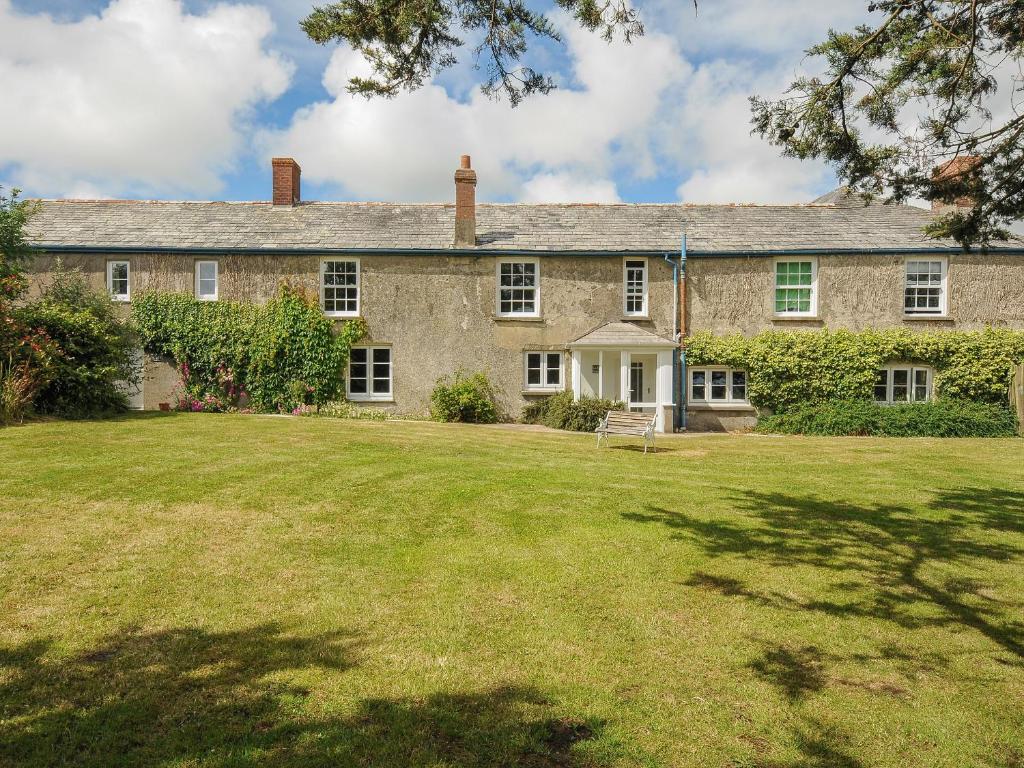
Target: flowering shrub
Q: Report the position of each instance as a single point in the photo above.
(274, 357)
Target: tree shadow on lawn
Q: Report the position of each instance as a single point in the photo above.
(222, 698)
(881, 562)
(885, 549)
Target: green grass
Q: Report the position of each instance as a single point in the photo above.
(210, 590)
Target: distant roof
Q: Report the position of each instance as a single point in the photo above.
(583, 228)
(620, 334)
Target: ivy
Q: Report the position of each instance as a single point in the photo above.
(276, 356)
(791, 368)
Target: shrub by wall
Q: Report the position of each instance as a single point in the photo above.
(276, 356)
(95, 345)
(563, 411)
(787, 369)
(466, 398)
(944, 418)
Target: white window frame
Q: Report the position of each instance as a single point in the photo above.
(370, 396)
(625, 287)
(216, 280)
(707, 370)
(543, 386)
(813, 311)
(359, 288)
(127, 295)
(943, 287)
(911, 378)
(536, 289)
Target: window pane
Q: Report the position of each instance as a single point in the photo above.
(207, 270)
(882, 386)
(697, 385)
(739, 385)
(533, 369)
(554, 369)
(920, 384)
(718, 385)
(341, 286)
(900, 385)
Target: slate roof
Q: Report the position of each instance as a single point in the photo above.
(637, 228)
(620, 334)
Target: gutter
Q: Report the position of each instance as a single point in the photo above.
(224, 251)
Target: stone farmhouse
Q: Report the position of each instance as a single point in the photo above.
(595, 298)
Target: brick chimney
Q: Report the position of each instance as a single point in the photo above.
(286, 181)
(465, 205)
(956, 176)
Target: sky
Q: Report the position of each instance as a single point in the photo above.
(189, 99)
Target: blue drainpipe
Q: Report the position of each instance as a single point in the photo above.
(678, 355)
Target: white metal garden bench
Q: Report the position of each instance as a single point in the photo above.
(627, 423)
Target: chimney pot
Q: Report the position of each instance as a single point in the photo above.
(957, 175)
(465, 205)
(286, 176)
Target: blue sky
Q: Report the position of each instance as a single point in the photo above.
(188, 99)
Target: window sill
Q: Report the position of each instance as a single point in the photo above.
(796, 318)
(339, 316)
(371, 400)
(635, 318)
(543, 392)
(925, 318)
(517, 319)
(706, 406)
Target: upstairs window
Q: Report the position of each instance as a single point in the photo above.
(119, 280)
(635, 287)
(369, 373)
(206, 280)
(924, 291)
(544, 371)
(903, 384)
(795, 287)
(718, 385)
(339, 288)
(519, 288)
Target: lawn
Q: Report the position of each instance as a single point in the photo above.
(204, 590)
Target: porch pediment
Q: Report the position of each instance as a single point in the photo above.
(622, 334)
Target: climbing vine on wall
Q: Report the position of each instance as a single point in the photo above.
(791, 368)
(268, 357)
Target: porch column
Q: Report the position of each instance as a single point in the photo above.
(664, 394)
(576, 374)
(600, 374)
(624, 358)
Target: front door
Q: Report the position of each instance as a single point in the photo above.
(636, 382)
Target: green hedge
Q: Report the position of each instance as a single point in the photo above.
(276, 356)
(466, 398)
(563, 411)
(787, 369)
(944, 418)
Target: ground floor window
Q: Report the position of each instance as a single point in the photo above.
(718, 385)
(543, 370)
(369, 373)
(903, 384)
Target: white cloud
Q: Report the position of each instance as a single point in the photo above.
(565, 188)
(728, 164)
(143, 98)
(566, 143)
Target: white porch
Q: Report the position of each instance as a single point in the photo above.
(621, 361)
